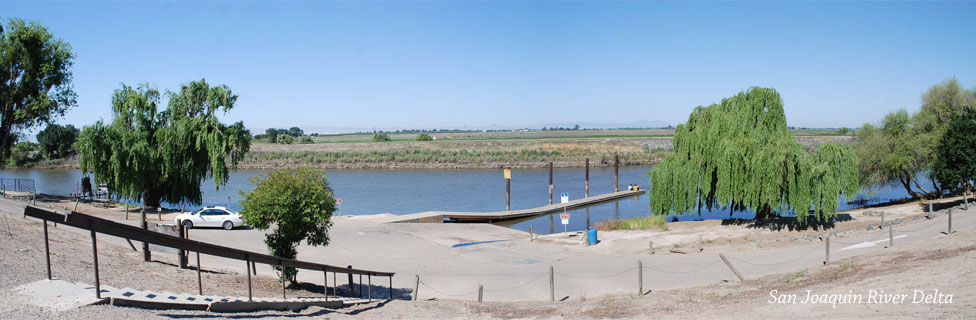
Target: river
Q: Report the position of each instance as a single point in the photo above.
(410, 191)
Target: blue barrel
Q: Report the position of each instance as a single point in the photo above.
(591, 235)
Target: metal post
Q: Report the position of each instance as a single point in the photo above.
(416, 286)
(325, 284)
(199, 278)
(391, 287)
(552, 285)
(550, 182)
(640, 278)
(98, 284)
(254, 268)
(531, 233)
(481, 292)
(587, 177)
(247, 265)
(126, 211)
(736, 272)
(146, 255)
(360, 285)
(369, 289)
(47, 251)
(335, 286)
(827, 250)
(616, 172)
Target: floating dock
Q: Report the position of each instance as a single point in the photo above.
(441, 216)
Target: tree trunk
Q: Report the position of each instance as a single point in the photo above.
(908, 187)
(150, 198)
(919, 186)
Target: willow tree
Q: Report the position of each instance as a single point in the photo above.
(151, 155)
(739, 154)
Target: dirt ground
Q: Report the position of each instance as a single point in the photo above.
(943, 263)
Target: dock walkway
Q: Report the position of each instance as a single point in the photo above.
(440, 216)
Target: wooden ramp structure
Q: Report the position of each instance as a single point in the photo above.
(494, 216)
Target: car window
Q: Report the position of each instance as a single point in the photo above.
(220, 212)
(207, 213)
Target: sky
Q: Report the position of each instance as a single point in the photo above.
(478, 64)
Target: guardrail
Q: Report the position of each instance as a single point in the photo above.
(17, 184)
(99, 225)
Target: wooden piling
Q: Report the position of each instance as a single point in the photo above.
(481, 292)
(531, 233)
(882, 221)
(283, 294)
(757, 237)
(550, 182)
(182, 253)
(616, 172)
(736, 272)
(587, 178)
(650, 247)
(700, 240)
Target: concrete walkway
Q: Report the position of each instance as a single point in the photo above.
(516, 269)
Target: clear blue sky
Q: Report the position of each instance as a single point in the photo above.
(448, 64)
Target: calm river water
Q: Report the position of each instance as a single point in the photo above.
(409, 191)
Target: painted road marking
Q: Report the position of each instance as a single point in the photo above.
(868, 244)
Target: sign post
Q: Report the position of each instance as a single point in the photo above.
(564, 199)
(338, 202)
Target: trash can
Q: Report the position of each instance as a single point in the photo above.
(591, 235)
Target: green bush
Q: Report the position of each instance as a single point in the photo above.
(638, 223)
(286, 139)
(381, 137)
(307, 140)
(298, 203)
(20, 154)
(424, 137)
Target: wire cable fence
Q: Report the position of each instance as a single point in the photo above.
(641, 267)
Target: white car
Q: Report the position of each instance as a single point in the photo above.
(210, 217)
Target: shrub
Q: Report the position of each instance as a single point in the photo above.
(286, 139)
(424, 137)
(381, 137)
(307, 140)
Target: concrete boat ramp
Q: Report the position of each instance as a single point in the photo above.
(442, 216)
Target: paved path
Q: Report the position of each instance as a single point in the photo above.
(517, 269)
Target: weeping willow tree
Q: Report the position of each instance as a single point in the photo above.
(740, 155)
(151, 155)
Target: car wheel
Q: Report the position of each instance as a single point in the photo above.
(228, 225)
(187, 224)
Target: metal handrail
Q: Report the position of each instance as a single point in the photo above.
(87, 222)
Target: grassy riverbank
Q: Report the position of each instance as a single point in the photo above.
(470, 150)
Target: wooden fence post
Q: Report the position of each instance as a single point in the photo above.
(891, 237)
(827, 250)
(650, 246)
(950, 221)
(416, 286)
(736, 272)
(552, 285)
(481, 292)
(640, 278)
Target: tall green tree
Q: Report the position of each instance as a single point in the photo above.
(298, 203)
(151, 155)
(35, 79)
(296, 132)
(56, 141)
(955, 165)
(739, 154)
(902, 147)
